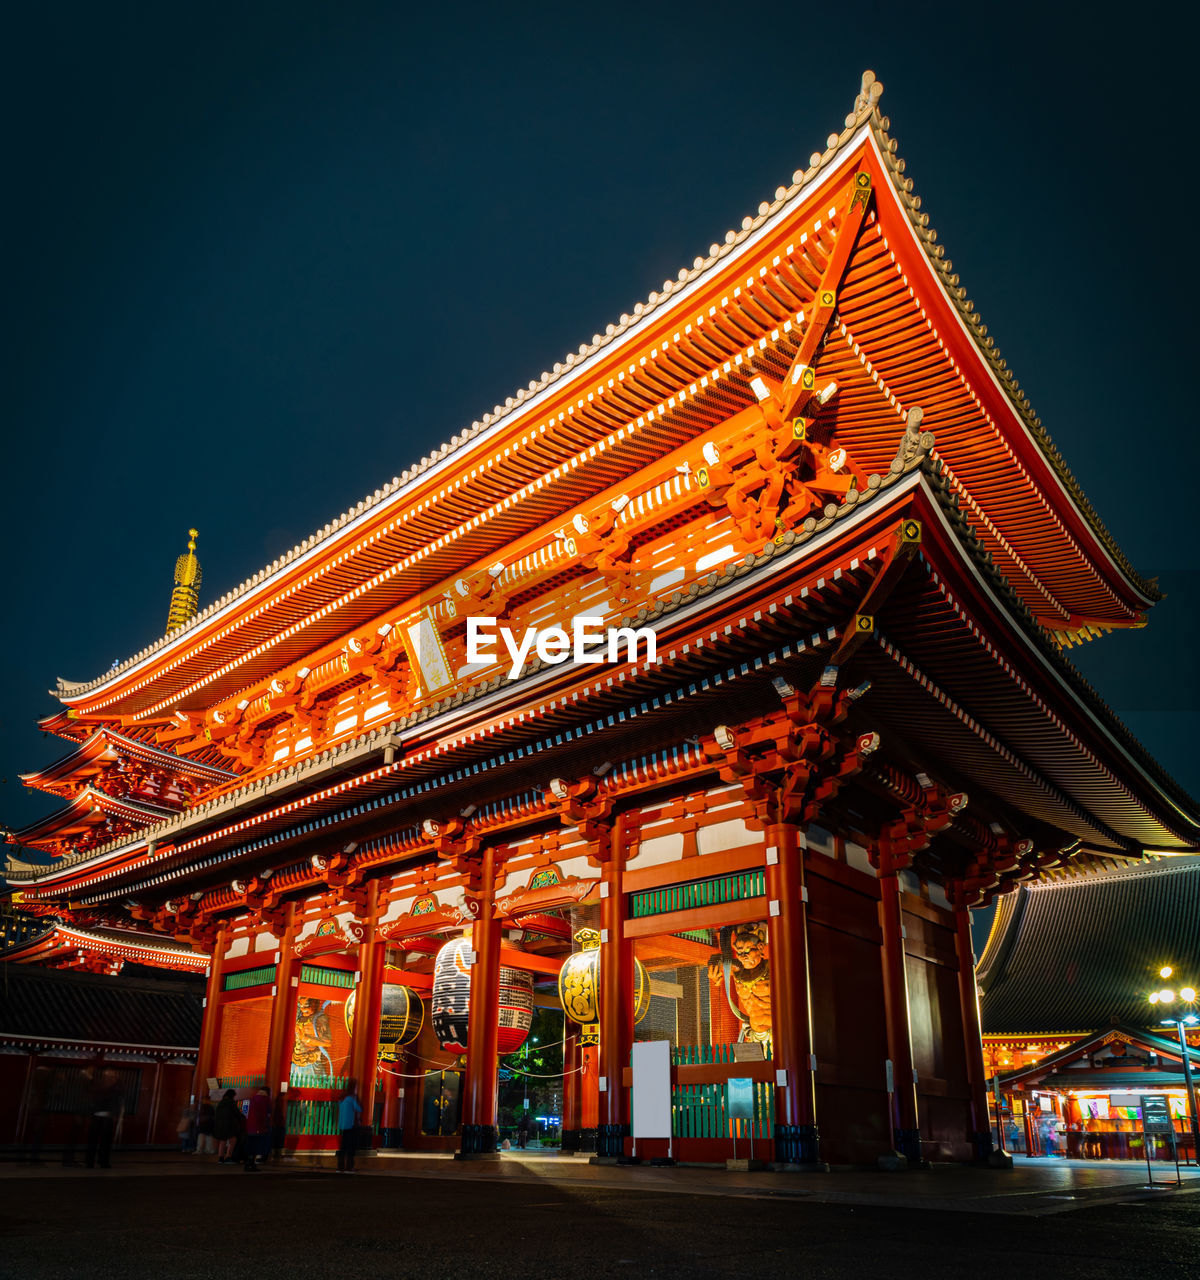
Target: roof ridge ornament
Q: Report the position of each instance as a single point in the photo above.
(914, 444)
(185, 597)
(868, 97)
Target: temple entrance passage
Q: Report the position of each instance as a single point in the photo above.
(529, 1112)
(708, 992)
(442, 1103)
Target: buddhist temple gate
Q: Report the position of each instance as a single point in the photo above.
(778, 575)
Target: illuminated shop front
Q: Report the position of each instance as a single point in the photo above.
(1085, 1101)
(1071, 981)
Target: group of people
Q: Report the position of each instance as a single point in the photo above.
(231, 1135)
(227, 1132)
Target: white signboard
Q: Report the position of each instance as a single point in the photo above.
(652, 1089)
(424, 645)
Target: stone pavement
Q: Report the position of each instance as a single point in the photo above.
(1034, 1187)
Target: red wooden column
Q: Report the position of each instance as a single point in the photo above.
(282, 1033)
(483, 1016)
(368, 1005)
(797, 1141)
(589, 1096)
(206, 1057)
(902, 1083)
(572, 1062)
(616, 993)
(968, 995)
(393, 1131)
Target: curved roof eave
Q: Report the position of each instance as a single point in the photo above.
(864, 124)
(1050, 658)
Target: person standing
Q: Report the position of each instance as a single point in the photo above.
(106, 1103)
(205, 1142)
(349, 1111)
(225, 1125)
(186, 1131)
(258, 1129)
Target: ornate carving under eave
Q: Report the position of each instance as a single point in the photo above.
(564, 893)
(333, 935)
(793, 763)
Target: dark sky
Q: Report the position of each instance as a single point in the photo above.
(261, 257)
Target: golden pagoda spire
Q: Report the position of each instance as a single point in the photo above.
(185, 598)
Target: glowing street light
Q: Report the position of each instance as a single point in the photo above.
(1184, 1017)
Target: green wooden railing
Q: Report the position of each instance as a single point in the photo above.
(299, 1078)
(241, 1082)
(315, 1117)
(311, 1117)
(321, 976)
(698, 1111)
(699, 893)
(263, 976)
(691, 1055)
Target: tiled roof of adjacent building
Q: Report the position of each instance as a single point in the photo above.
(93, 1009)
(1076, 955)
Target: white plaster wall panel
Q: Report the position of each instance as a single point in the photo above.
(577, 867)
(732, 834)
(656, 850)
(856, 857)
(937, 895)
(821, 841)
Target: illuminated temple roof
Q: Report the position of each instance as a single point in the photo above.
(107, 751)
(582, 425)
(90, 817)
(966, 667)
(114, 784)
(98, 943)
(1072, 956)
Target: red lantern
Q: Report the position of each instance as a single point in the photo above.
(452, 997)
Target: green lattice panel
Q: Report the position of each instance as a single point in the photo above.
(260, 977)
(699, 893)
(320, 976)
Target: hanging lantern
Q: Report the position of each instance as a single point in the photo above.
(452, 998)
(579, 987)
(516, 1009)
(401, 1015)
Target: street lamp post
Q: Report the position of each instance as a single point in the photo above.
(1165, 999)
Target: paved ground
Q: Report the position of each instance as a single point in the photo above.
(545, 1218)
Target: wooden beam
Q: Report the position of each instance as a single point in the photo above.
(698, 918)
(797, 386)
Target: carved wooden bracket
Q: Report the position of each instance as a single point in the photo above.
(900, 840)
(792, 763)
(580, 804)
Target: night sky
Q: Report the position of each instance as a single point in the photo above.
(262, 257)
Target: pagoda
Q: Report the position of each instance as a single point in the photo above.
(400, 791)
